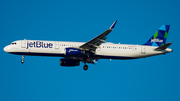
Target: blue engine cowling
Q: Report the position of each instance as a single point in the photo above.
(73, 51)
(69, 62)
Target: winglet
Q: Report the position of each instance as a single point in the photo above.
(112, 26)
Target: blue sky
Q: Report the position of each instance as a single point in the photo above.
(43, 79)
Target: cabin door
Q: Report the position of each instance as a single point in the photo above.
(23, 44)
(143, 49)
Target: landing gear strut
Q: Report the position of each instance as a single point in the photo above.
(22, 61)
(85, 67)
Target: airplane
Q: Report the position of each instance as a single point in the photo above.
(93, 50)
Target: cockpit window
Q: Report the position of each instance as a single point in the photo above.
(14, 43)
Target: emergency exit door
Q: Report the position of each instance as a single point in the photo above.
(56, 45)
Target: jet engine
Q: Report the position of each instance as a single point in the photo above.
(74, 51)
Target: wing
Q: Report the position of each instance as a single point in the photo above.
(97, 41)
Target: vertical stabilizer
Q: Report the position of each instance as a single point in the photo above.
(159, 38)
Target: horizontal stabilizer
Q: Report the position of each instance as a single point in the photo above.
(163, 47)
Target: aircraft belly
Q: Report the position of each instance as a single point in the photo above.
(117, 54)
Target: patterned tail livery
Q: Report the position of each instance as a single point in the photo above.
(159, 38)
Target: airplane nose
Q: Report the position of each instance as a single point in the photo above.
(6, 49)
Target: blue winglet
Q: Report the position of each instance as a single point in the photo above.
(112, 26)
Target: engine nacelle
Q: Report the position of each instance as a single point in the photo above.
(69, 62)
(74, 51)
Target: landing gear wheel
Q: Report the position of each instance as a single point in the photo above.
(22, 61)
(85, 67)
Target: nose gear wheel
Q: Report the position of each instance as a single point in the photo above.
(85, 67)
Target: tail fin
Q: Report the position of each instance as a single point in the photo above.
(159, 38)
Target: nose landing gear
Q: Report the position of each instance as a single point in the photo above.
(22, 61)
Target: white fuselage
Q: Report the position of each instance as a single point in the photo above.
(104, 51)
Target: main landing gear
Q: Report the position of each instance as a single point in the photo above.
(85, 67)
(22, 61)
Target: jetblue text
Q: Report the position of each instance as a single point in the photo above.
(39, 44)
